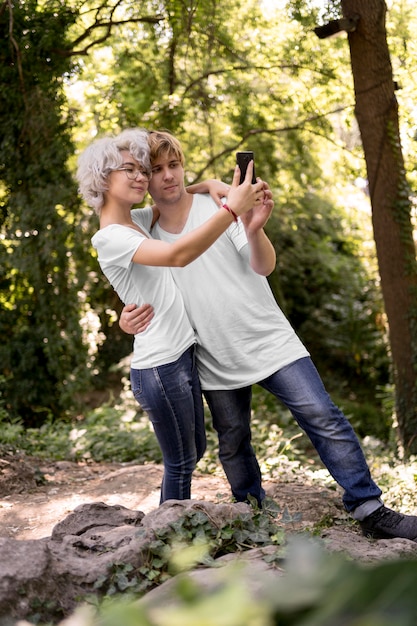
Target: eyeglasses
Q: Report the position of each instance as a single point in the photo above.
(133, 172)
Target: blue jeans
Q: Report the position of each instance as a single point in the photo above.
(171, 396)
(301, 390)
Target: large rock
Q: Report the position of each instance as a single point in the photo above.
(88, 546)
(24, 566)
(83, 549)
(97, 516)
(171, 510)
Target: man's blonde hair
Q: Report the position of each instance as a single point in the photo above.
(161, 143)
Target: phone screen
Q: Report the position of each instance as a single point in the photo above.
(242, 159)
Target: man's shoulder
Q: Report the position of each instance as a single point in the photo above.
(142, 216)
(203, 201)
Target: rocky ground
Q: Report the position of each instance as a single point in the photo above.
(36, 495)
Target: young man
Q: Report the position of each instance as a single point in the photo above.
(244, 338)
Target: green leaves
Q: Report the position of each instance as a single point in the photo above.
(194, 539)
(315, 588)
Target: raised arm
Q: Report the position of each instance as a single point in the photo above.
(188, 247)
(262, 252)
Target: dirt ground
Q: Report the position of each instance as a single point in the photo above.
(35, 495)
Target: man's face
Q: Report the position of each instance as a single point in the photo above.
(167, 182)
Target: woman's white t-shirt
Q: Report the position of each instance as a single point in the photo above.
(170, 332)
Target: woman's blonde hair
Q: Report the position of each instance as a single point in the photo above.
(103, 156)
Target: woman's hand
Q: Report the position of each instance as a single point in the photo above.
(243, 197)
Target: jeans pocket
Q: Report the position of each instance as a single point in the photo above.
(136, 383)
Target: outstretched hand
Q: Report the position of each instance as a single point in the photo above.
(242, 197)
(217, 190)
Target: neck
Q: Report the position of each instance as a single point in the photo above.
(112, 214)
(172, 217)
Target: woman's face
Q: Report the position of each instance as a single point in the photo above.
(129, 183)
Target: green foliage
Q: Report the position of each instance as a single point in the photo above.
(111, 434)
(44, 358)
(331, 296)
(104, 435)
(195, 539)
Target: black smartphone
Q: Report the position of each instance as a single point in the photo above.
(242, 159)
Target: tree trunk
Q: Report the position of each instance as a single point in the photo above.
(377, 114)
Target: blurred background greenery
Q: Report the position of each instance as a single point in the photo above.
(222, 76)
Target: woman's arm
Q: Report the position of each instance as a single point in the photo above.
(187, 248)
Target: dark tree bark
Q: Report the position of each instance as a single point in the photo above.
(377, 115)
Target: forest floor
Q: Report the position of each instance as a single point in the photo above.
(35, 495)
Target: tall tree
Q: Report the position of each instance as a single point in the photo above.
(44, 308)
(377, 115)
(42, 355)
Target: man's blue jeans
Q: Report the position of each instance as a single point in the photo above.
(171, 396)
(301, 390)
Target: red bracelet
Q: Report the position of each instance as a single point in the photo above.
(230, 211)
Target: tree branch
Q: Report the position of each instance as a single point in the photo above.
(245, 68)
(107, 24)
(266, 131)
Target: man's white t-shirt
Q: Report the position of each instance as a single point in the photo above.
(242, 334)
(170, 332)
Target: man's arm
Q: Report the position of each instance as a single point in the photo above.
(262, 252)
(216, 188)
(134, 319)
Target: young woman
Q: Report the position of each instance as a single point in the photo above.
(113, 175)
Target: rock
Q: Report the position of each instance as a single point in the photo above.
(95, 539)
(171, 510)
(98, 516)
(254, 571)
(85, 547)
(24, 567)
(365, 550)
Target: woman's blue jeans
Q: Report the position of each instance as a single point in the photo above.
(171, 396)
(301, 390)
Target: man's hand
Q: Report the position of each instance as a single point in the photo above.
(216, 188)
(134, 319)
(255, 219)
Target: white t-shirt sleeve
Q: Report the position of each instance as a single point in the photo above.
(237, 235)
(116, 245)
